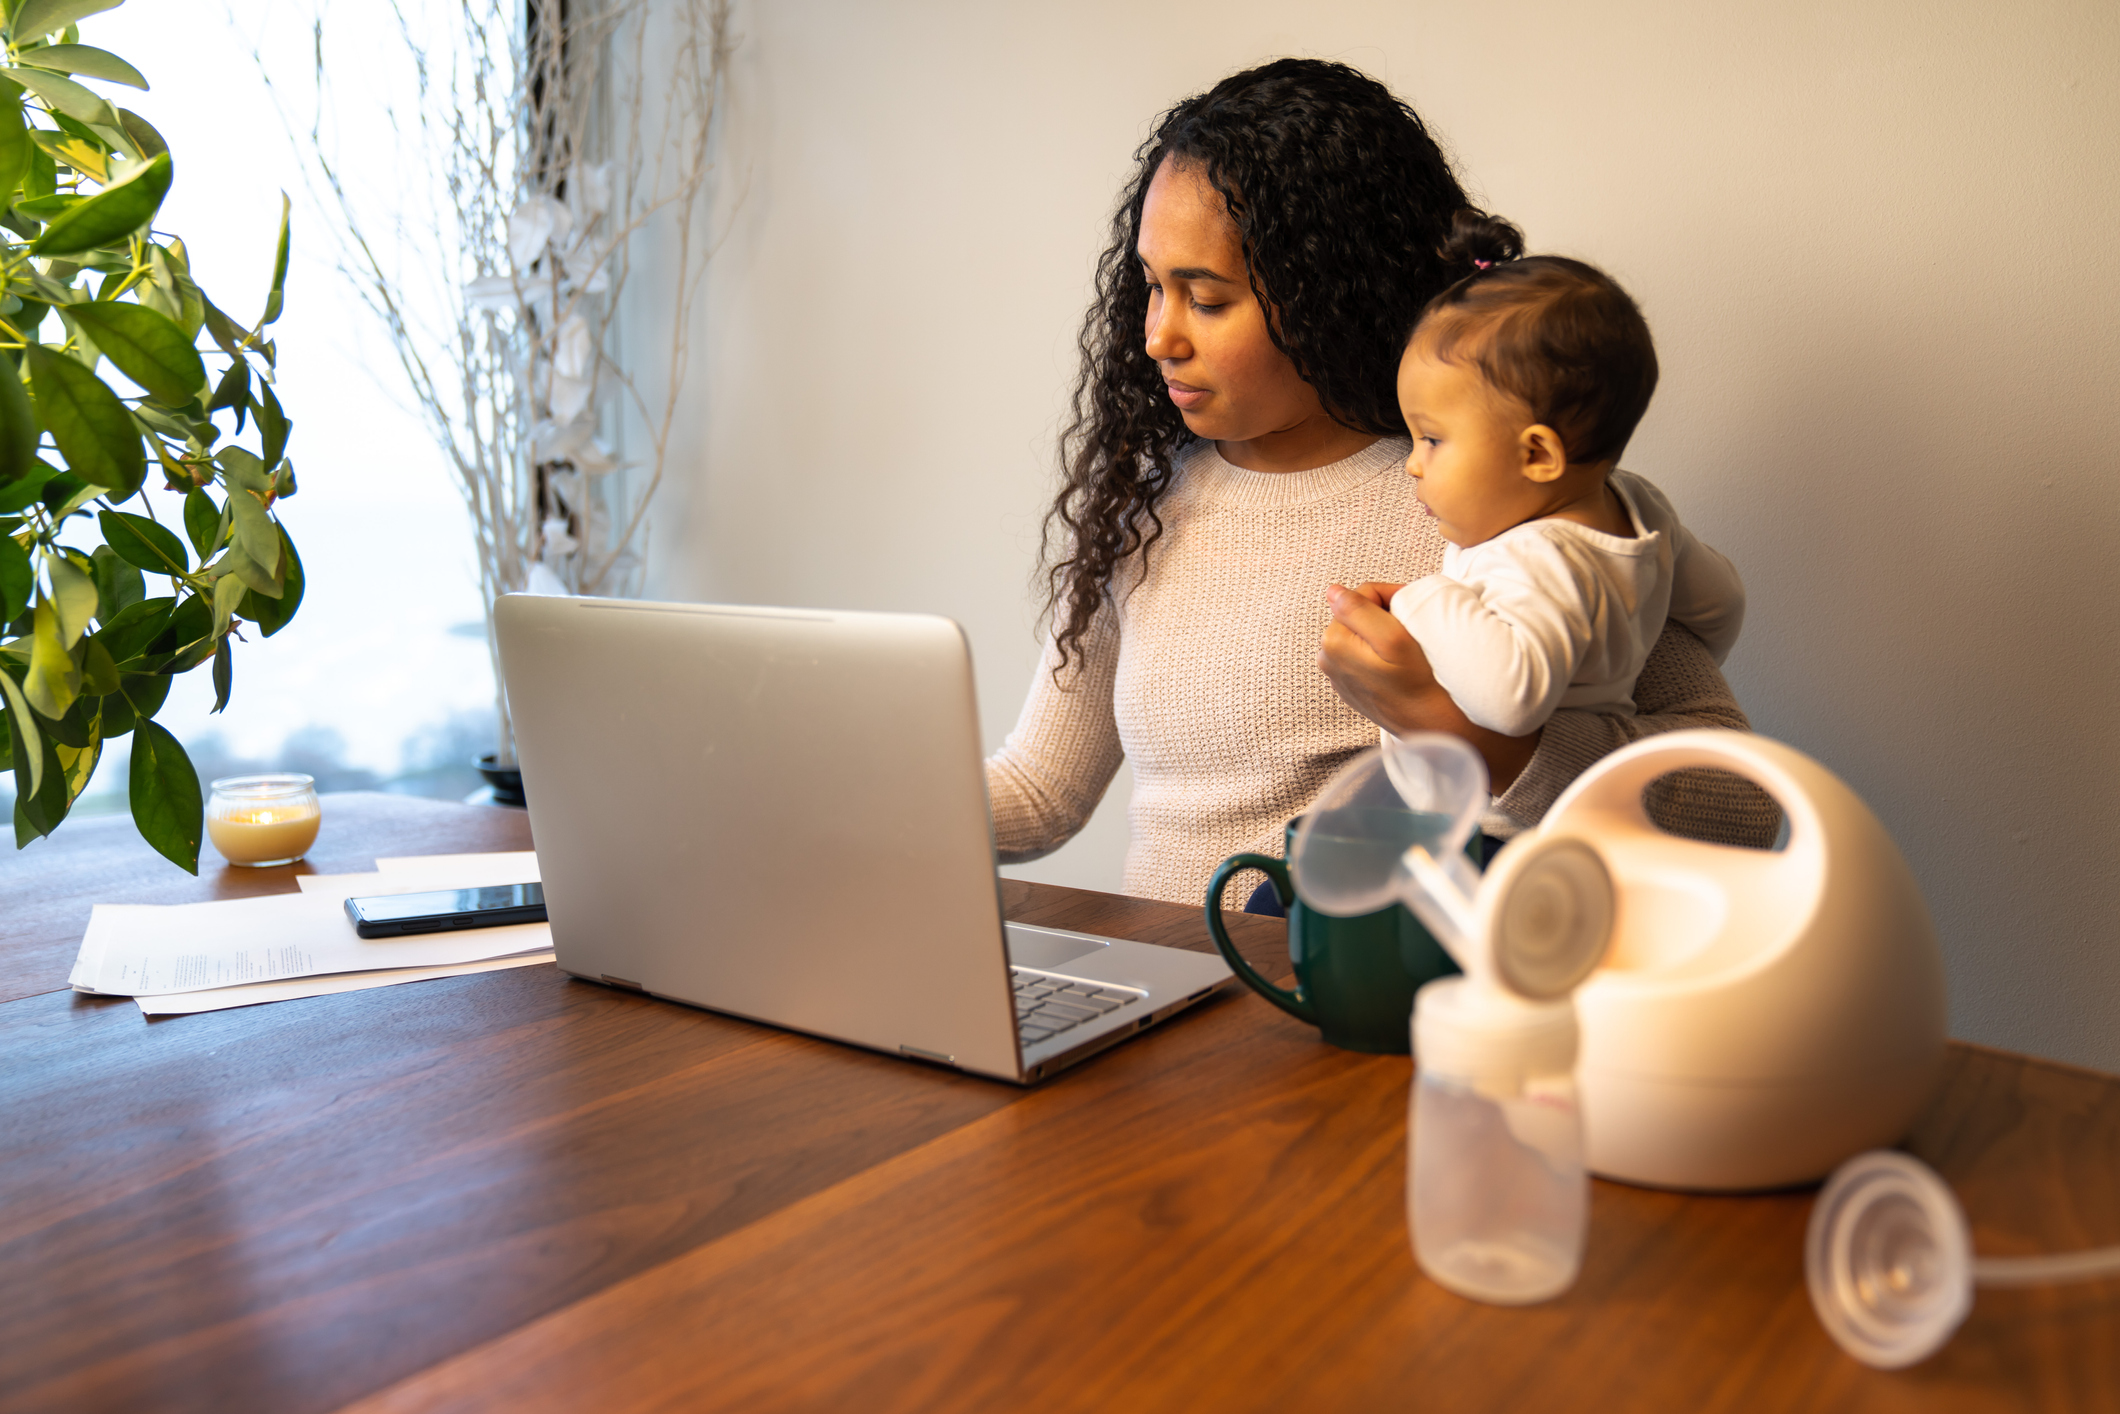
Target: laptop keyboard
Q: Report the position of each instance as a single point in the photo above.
(1047, 1005)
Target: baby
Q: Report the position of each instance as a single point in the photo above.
(1521, 385)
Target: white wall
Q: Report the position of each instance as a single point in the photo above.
(1874, 240)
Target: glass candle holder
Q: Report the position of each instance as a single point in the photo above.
(260, 820)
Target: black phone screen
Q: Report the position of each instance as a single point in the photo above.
(447, 908)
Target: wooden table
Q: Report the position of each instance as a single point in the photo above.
(514, 1191)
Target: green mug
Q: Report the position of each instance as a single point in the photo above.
(1355, 977)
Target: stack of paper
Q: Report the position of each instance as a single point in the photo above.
(236, 952)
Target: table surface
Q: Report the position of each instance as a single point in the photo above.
(518, 1191)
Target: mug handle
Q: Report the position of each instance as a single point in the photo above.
(1294, 1003)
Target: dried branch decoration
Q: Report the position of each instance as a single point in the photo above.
(544, 146)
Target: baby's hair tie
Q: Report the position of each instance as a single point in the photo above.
(1483, 265)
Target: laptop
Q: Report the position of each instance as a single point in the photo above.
(781, 814)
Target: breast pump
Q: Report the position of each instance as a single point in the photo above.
(1497, 1195)
(1740, 1019)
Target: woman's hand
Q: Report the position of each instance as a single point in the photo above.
(1380, 671)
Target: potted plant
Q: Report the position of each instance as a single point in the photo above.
(139, 537)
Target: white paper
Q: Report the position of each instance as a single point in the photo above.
(411, 876)
(250, 994)
(148, 949)
(520, 865)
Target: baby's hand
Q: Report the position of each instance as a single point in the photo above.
(1378, 669)
(1370, 659)
(1375, 591)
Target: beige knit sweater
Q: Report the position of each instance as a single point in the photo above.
(1203, 673)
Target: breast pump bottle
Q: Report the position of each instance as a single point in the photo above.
(1497, 1195)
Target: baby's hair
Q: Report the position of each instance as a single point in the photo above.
(1557, 335)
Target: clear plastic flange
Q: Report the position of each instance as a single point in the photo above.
(1889, 1260)
(1426, 789)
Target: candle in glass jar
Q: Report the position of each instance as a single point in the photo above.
(259, 820)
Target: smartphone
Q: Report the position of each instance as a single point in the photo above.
(394, 915)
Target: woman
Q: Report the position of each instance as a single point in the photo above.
(1236, 447)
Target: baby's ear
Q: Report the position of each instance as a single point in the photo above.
(1545, 456)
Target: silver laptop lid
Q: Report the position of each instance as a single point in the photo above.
(775, 813)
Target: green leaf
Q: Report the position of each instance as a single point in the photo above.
(95, 433)
(145, 543)
(120, 715)
(31, 317)
(116, 211)
(37, 18)
(274, 299)
(73, 597)
(66, 489)
(127, 633)
(39, 811)
(99, 675)
(146, 346)
(17, 578)
(151, 143)
(273, 425)
(53, 681)
(28, 742)
(173, 293)
(18, 426)
(117, 716)
(159, 290)
(83, 348)
(144, 692)
(63, 95)
(102, 140)
(71, 729)
(224, 676)
(86, 132)
(190, 621)
(228, 591)
(226, 332)
(86, 60)
(269, 614)
(44, 208)
(249, 490)
(240, 468)
(195, 650)
(42, 178)
(117, 583)
(202, 523)
(15, 149)
(166, 804)
(283, 480)
(79, 764)
(30, 489)
(191, 634)
(233, 391)
(172, 425)
(257, 536)
(254, 575)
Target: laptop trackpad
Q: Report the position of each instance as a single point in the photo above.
(1049, 948)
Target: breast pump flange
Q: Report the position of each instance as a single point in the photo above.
(1889, 1262)
(1758, 1016)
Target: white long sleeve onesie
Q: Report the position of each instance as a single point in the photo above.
(1551, 614)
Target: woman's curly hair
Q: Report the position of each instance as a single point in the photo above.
(1342, 202)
